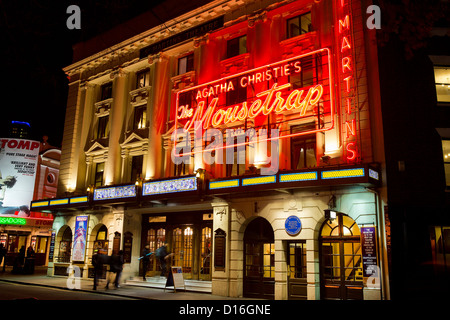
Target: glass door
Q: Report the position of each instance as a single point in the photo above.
(341, 259)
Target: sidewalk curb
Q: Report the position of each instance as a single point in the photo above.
(108, 292)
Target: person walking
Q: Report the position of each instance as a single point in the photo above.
(3, 255)
(145, 260)
(97, 262)
(162, 254)
(115, 268)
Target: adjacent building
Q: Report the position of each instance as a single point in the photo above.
(29, 170)
(247, 135)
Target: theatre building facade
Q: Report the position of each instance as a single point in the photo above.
(246, 135)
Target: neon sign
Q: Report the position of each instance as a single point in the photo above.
(13, 221)
(347, 91)
(271, 92)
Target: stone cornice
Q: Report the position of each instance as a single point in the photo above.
(195, 17)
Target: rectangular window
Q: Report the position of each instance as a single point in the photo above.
(297, 260)
(102, 129)
(136, 167)
(186, 64)
(140, 117)
(306, 77)
(236, 46)
(442, 81)
(446, 154)
(99, 168)
(106, 91)
(299, 25)
(303, 148)
(143, 78)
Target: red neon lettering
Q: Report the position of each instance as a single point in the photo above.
(351, 128)
(347, 80)
(295, 101)
(349, 106)
(345, 44)
(353, 152)
(346, 64)
(344, 24)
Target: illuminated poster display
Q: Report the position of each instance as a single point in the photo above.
(18, 164)
(79, 242)
(295, 89)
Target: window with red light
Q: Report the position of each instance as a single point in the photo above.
(299, 25)
(303, 147)
(236, 46)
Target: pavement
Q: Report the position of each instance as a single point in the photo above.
(135, 290)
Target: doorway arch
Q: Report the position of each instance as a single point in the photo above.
(259, 260)
(340, 259)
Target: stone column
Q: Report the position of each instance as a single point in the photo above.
(221, 220)
(117, 116)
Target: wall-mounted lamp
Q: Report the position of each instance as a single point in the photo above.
(200, 173)
(330, 214)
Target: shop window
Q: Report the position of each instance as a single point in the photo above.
(446, 154)
(142, 78)
(186, 64)
(98, 177)
(236, 46)
(297, 260)
(303, 148)
(140, 117)
(106, 91)
(136, 167)
(102, 127)
(299, 25)
(101, 240)
(442, 81)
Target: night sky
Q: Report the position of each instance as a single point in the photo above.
(35, 45)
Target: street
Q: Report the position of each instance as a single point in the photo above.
(16, 291)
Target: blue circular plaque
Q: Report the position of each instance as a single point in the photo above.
(293, 225)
